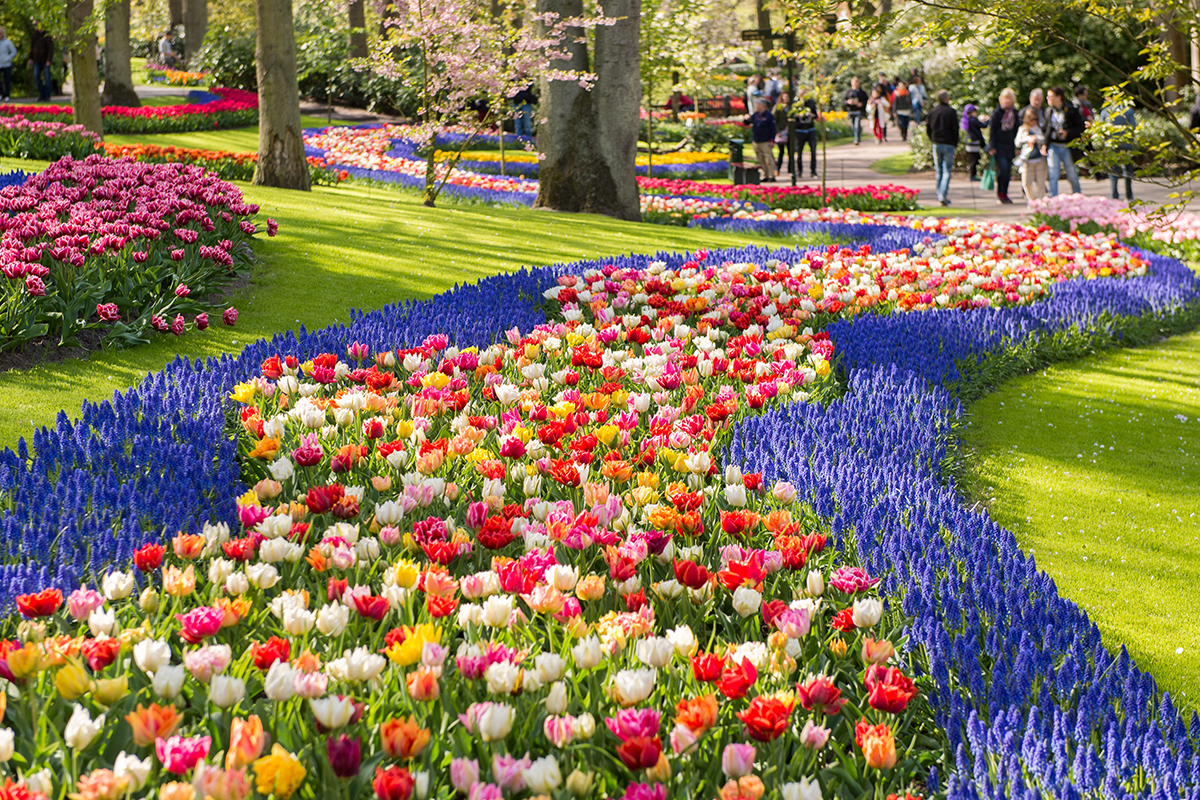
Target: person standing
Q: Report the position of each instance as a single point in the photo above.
(902, 110)
(805, 116)
(878, 111)
(1124, 125)
(166, 50)
(524, 101)
(783, 127)
(1065, 126)
(916, 88)
(773, 89)
(754, 90)
(1085, 106)
(762, 126)
(1002, 135)
(972, 125)
(855, 100)
(1031, 161)
(41, 56)
(942, 127)
(8, 53)
(1037, 101)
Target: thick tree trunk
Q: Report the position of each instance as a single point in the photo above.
(358, 30)
(589, 160)
(281, 160)
(764, 22)
(118, 78)
(174, 13)
(195, 26)
(85, 74)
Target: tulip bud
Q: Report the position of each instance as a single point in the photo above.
(72, 681)
(579, 783)
(148, 601)
(109, 690)
(556, 700)
(7, 748)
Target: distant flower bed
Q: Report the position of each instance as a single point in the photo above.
(886, 197)
(44, 141)
(161, 73)
(227, 165)
(525, 163)
(1175, 234)
(119, 247)
(231, 108)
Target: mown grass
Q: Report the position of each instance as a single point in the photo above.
(1095, 466)
(895, 165)
(232, 139)
(339, 249)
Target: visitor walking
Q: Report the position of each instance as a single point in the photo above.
(41, 56)
(1065, 126)
(754, 90)
(1037, 101)
(1031, 160)
(762, 126)
(773, 89)
(1124, 126)
(1002, 135)
(855, 100)
(805, 116)
(783, 128)
(942, 127)
(902, 109)
(524, 101)
(879, 110)
(972, 125)
(916, 88)
(1085, 106)
(8, 53)
(166, 50)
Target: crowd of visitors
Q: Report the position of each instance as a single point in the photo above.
(893, 101)
(777, 121)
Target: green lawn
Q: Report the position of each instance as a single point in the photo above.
(166, 99)
(1095, 466)
(340, 249)
(895, 165)
(235, 139)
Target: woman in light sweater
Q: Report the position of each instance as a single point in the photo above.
(1031, 156)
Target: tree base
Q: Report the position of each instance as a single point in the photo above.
(120, 94)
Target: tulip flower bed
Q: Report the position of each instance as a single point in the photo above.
(160, 73)
(520, 502)
(887, 197)
(220, 108)
(224, 164)
(525, 164)
(119, 248)
(44, 141)
(1174, 234)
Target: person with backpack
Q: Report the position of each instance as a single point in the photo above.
(804, 123)
(942, 127)
(1120, 116)
(972, 125)
(902, 109)
(1065, 125)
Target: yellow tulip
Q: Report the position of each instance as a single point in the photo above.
(280, 773)
(72, 681)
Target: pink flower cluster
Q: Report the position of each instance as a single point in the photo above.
(1077, 210)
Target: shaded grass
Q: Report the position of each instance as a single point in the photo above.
(339, 249)
(1094, 468)
(167, 99)
(894, 165)
(233, 139)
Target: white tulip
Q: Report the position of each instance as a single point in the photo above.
(562, 577)
(357, 665)
(7, 748)
(654, 651)
(502, 677)
(804, 790)
(168, 680)
(746, 601)
(237, 583)
(102, 621)
(684, 641)
(280, 682)
(226, 692)
(117, 585)
(815, 583)
(298, 620)
(556, 699)
(282, 469)
(495, 721)
(81, 729)
(262, 576)
(332, 619)
(587, 653)
(632, 686)
(585, 726)
(40, 782)
(735, 495)
(219, 570)
(549, 666)
(497, 611)
(332, 712)
(151, 655)
(136, 770)
(867, 612)
(542, 776)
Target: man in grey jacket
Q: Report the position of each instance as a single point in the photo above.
(8, 52)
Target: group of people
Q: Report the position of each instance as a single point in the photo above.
(776, 122)
(1040, 140)
(41, 56)
(896, 101)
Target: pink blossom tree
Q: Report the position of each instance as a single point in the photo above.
(468, 58)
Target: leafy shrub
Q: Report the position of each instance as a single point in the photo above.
(229, 60)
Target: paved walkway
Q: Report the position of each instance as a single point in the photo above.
(850, 165)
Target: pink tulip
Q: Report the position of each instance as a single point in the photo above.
(179, 754)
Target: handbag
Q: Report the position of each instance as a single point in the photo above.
(987, 181)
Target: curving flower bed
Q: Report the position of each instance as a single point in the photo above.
(885, 197)
(466, 497)
(1175, 234)
(225, 164)
(44, 141)
(119, 248)
(217, 108)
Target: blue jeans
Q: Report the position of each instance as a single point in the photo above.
(856, 125)
(41, 78)
(943, 162)
(1059, 154)
(1003, 173)
(916, 115)
(1114, 181)
(524, 120)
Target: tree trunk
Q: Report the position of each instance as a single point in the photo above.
(358, 30)
(118, 78)
(195, 26)
(675, 98)
(174, 13)
(589, 159)
(764, 23)
(281, 160)
(85, 74)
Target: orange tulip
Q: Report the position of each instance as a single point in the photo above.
(155, 722)
(179, 583)
(188, 546)
(403, 738)
(423, 684)
(877, 743)
(246, 742)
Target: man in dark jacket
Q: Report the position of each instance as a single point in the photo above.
(942, 127)
(1065, 125)
(41, 55)
(855, 100)
(762, 124)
